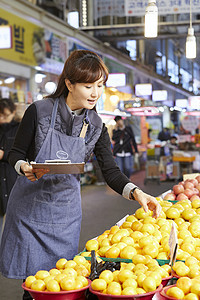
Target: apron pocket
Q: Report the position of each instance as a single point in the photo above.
(49, 213)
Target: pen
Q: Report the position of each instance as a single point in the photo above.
(33, 173)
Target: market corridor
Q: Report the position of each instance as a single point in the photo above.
(102, 208)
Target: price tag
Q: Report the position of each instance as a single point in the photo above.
(173, 244)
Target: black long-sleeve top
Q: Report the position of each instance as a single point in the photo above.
(124, 140)
(24, 148)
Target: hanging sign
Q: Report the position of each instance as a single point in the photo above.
(165, 7)
(190, 123)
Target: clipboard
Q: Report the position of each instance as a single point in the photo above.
(60, 168)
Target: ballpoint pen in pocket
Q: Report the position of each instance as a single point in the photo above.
(33, 173)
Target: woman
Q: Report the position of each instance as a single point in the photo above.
(8, 129)
(44, 216)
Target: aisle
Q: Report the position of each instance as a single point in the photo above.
(102, 208)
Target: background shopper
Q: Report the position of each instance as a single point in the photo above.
(124, 141)
(8, 129)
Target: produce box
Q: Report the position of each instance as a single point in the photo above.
(190, 176)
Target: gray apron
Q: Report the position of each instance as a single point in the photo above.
(44, 217)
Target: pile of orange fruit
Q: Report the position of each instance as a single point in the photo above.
(68, 275)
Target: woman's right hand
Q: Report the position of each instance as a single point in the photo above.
(32, 174)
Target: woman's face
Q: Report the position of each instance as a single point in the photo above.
(84, 95)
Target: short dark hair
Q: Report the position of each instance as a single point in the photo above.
(117, 118)
(7, 103)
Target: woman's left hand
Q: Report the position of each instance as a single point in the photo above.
(148, 202)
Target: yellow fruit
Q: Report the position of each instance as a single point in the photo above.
(82, 270)
(151, 250)
(29, 280)
(114, 288)
(38, 285)
(120, 245)
(194, 229)
(139, 259)
(187, 248)
(61, 263)
(191, 261)
(172, 213)
(179, 221)
(184, 283)
(70, 272)
(196, 254)
(175, 292)
(140, 291)
(46, 279)
(67, 283)
(149, 284)
(103, 250)
(195, 203)
(127, 240)
(136, 235)
(140, 279)
(112, 252)
(136, 226)
(70, 263)
(59, 277)
(129, 291)
(53, 286)
(141, 214)
(107, 275)
(149, 228)
(98, 284)
(114, 229)
(82, 279)
(195, 288)
(124, 275)
(126, 224)
(131, 282)
(183, 233)
(104, 243)
(80, 260)
(191, 296)
(157, 276)
(54, 272)
(128, 252)
(78, 284)
(41, 274)
(182, 271)
(194, 272)
(146, 240)
(188, 213)
(131, 218)
(92, 245)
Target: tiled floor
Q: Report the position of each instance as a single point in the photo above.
(102, 208)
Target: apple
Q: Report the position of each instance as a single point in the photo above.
(170, 196)
(178, 188)
(189, 192)
(188, 185)
(198, 186)
(194, 197)
(194, 181)
(196, 191)
(181, 196)
(198, 178)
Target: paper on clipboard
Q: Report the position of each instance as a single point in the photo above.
(60, 168)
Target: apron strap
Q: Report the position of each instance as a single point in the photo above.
(54, 112)
(84, 128)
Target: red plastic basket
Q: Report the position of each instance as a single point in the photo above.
(62, 295)
(146, 296)
(166, 280)
(164, 290)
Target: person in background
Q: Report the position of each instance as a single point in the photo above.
(124, 141)
(164, 135)
(43, 218)
(172, 144)
(8, 129)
